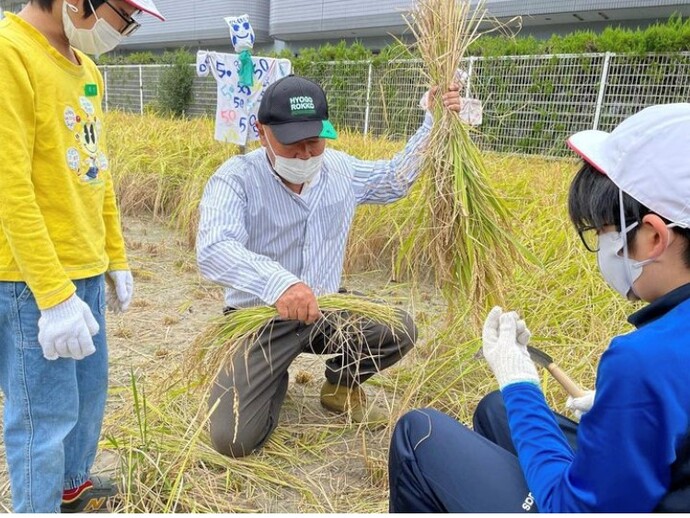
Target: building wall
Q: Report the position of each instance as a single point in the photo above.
(199, 24)
(296, 24)
(306, 19)
(295, 20)
(501, 8)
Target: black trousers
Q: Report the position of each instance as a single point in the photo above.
(437, 465)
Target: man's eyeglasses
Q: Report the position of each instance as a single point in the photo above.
(131, 25)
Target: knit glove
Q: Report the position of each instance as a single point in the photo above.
(120, 290)
(65, 330)
(504, 348)
(579, 406)
(522, 333)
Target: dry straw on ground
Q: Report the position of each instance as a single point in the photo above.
(156, 427)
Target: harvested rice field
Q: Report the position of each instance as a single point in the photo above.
(155, 441)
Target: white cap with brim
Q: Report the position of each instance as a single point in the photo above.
(147, 6)
(647, 156)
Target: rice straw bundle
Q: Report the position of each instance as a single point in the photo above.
(459, 221)
(213, 350)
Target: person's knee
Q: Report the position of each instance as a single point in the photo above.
(228, 436)
(226, 442)
(490, 406)
(238, 437)
(404, 429)
(414, 426)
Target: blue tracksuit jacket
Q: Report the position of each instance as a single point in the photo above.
(633, 446)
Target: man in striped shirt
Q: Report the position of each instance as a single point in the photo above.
(273, 229)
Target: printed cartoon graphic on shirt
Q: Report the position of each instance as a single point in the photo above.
(85, 159)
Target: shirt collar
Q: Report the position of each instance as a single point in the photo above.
(660, 306)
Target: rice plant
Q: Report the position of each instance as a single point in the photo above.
(213, 350)
(458, 223)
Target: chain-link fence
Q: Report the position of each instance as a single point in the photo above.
(531, 103)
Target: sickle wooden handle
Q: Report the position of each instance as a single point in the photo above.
(568, 384)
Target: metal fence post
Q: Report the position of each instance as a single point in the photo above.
(367, 109)
(141, 90)
(602, 89)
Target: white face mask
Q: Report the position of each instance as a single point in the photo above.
(97, 40)
(619, 271)
(296, 170)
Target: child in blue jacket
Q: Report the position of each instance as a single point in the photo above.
(630, 203)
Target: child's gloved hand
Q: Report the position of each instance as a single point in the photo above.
(120, 290)
(65, 330)
(504, 347)
(579, 406)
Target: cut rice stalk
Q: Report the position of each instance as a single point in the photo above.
(466, 235)
(213, 350)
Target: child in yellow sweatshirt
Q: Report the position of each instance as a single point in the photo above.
(60, 241)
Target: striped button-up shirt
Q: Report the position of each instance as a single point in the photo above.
(257, 238)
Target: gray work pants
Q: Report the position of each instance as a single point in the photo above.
(252, 390)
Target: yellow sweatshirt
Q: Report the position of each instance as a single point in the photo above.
(58, 215)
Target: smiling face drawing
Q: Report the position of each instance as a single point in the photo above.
(89, 137)
(85, 158)
(241, 32)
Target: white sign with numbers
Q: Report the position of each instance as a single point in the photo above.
(238, 106)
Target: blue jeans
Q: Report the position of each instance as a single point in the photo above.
(53, 409)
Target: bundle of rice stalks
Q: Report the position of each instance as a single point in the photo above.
(459, 220)
(213, 350)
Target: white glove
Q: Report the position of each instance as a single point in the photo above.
(579, 406)
(504, 349)
(65, 330)
(523, 333)
(120, 290)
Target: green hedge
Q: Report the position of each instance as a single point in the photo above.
(670, 36)
(535, 101)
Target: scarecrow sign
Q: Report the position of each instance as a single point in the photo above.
(241, 80)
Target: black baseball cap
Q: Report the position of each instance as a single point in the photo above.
(296, 109)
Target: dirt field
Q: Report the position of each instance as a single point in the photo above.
(345, 471)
